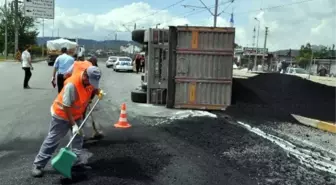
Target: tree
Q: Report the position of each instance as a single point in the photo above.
(26, 28)
(305, 54)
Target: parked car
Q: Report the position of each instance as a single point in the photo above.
(297, 72)
(123, 64)
(110, 61)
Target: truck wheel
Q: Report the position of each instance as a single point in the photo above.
(138, 36)
(138, 96)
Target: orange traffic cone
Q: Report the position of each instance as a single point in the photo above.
(122, 123)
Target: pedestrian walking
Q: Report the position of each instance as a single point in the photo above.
(26, 66)
(66, 114)
(137, 63)
(62, 64)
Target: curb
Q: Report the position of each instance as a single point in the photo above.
(39, 60)
(321, 125)
(33, 61)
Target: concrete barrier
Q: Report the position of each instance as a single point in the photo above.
(322, 125)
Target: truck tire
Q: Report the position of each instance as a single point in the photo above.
(139, 96)
(138, 36)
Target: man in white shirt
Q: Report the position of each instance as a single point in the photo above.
(26, 66)
(62, 64)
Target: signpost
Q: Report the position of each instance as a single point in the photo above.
(44, 9)
(252, 51)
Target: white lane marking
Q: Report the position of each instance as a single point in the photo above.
(306, 157)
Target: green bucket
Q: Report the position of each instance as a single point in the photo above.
(63, 162)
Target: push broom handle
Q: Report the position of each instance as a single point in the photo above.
(82, 124)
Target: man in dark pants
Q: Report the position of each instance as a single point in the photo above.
(62, 64)
(26, 66)
(137, 63)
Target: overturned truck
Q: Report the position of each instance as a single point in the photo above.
(186, 67)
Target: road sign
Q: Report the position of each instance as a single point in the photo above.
(252, 51)
(44, 9)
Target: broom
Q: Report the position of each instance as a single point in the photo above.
(65, 158)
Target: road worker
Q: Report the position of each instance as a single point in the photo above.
(78, 67)
(67, 114)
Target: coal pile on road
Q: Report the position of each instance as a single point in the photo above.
(282, 95)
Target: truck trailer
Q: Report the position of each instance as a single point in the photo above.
(54, 49)
(187, 67)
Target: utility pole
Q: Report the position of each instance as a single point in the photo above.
(115, 36)
(133, 44)
(265, 42)
(6, 29)
(253, 41)
(53, 29)
(256, 54)
(43, 37)
(311, 62)
(16, 10)
(216, 13)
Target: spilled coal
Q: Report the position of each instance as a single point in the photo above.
(277, 95)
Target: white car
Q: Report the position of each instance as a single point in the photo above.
(123, 64)
(297, 72)
(110, 61)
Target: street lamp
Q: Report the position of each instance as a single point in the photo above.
(158, 24)
(256, 55)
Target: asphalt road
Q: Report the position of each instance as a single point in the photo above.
(164, 147)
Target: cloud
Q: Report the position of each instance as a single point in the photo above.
(290, 22)
(72, 22)
(293, 25)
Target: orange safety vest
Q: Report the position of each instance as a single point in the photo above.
(83, 97)
(80, 66)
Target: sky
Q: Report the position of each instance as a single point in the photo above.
(291, 23)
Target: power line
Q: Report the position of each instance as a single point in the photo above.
(172, 5)
(193, 12)
(274, 7)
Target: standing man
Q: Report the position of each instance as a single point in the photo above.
(62, 64)
(142, 64)
(26, 66)
(137, 63)
(67, 111)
